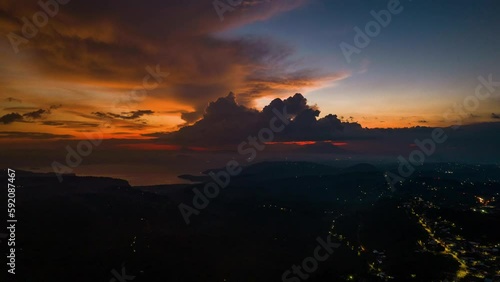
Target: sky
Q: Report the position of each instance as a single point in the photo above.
(151, 69)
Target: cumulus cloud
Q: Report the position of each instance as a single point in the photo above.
(205, 64)
(191, 117)
(227, 122)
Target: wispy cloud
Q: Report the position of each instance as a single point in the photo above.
(31, 135)
(125, 115)
(108, 60)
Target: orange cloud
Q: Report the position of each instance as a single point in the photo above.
(69, 62)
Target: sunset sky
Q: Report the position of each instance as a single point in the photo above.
(79, 69)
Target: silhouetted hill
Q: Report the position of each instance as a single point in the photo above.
(266, 220)
(39, 179)
(360, 168)
(194, 178)
(284, 168)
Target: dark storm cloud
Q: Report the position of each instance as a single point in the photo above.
(227, 122)
(191, 117)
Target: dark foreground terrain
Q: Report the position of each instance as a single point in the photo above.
(442, 223)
